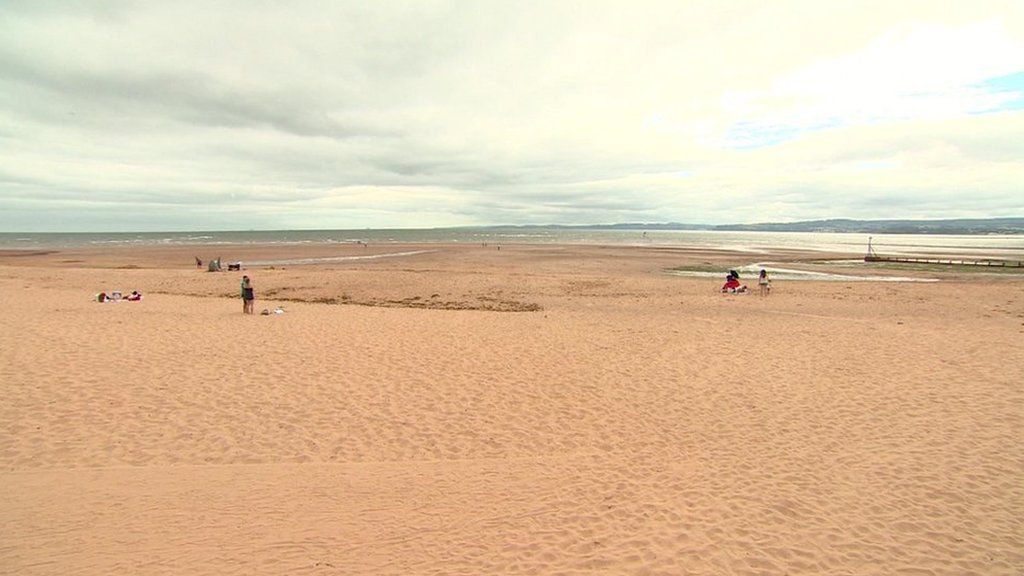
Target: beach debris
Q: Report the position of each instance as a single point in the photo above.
(117, 296)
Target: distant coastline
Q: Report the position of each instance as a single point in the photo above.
(956, 227)
(960, 226)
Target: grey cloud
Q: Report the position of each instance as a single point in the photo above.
(136, 114)
(189, 97)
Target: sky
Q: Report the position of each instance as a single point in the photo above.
(154, 116)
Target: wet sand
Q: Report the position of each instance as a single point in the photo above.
(533, 410)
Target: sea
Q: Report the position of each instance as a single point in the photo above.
(1003, 247)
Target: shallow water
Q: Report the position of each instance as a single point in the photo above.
(328, 259)
(1010, 247)
(749, 274)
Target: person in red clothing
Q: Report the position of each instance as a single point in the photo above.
(732, 284)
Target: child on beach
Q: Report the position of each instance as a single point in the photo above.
(764, 283)
(247, 296)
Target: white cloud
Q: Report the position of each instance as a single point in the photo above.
(916, 71)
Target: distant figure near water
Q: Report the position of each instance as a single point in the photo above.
(248, 296)
(764, 283)
(199, 262)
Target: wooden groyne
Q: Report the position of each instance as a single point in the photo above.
(946, 261)
(872, 256)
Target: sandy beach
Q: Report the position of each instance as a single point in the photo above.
(443, 409)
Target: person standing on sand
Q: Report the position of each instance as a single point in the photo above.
(247, 296)
(764, 283)
(199, 262)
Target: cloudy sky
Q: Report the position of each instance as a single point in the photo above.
(135, 116)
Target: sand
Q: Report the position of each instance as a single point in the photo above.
(534, 410)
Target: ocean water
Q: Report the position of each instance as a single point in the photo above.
(1009, 247)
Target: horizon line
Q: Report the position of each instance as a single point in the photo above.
(544, 225)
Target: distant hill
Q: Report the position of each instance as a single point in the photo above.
(956, 226)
